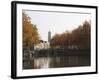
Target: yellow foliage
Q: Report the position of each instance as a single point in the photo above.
(30, 31)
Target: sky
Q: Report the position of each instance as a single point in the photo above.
(56, 22)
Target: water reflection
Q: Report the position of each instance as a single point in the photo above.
(63, 61)
(41, 62)
(56, 58)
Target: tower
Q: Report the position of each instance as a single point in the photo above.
(49, 36)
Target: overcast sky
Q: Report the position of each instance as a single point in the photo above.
(56, 22)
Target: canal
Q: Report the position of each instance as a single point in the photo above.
(59, 58)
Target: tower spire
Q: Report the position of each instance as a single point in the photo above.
(49, 36)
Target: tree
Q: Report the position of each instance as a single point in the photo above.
(30, 31)
(79, 37)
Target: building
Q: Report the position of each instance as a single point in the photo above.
(42, 45)
(49, 36)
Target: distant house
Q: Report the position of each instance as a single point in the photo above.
(42, 45)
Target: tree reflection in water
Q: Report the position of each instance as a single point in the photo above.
(59, 58)
(63, 61)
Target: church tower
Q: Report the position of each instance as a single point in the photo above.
(49, 36)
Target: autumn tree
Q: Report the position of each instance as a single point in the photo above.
(55, 40)
(30, 31)
(86, 34)
(79, 37)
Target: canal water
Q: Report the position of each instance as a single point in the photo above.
(63, 61)
(57, 58)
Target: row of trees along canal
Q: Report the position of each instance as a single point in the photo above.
(79, 37)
